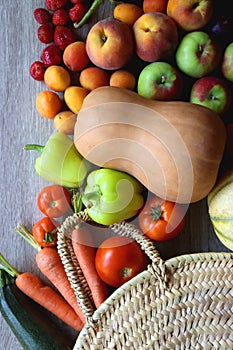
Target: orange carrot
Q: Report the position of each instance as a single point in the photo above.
(34, 288)
(51, 266)
(85, 252)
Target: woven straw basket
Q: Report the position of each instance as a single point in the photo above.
(182, 303)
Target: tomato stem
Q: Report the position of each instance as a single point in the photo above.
(156, 212)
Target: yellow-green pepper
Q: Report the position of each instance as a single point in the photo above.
(112, 196)
(60, 162)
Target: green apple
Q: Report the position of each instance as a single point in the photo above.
(227, 62)
(160, 81)
(197, 54)
(211, 92)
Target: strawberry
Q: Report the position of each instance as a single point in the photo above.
(51, 55)
(37, 70)
(54, 5)
(76, 1)
(63, 36)
(45, 33)
(42, 15)
(60, 17)
(77, 12)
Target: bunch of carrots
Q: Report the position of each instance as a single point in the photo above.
(63, 303)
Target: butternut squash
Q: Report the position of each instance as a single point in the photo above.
(173, 148)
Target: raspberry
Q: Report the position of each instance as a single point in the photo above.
(77, 12)
(63, 36)
(45, 33)
(60, 17)
(42, 15)
(37, 70)
(54, 5)
(51, 55)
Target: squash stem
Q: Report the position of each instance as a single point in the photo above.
(27, 235)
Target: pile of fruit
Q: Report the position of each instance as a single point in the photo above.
(171, 58)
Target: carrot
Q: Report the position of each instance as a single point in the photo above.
(50, 264)
(34, 288)
(85, 252)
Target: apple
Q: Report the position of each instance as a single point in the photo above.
(227, 62)
(211, 92)
(160, 81)
(197, 54)
(109, 44)
(190, 14)
(156, 36)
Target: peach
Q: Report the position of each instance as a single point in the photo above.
(109, 44)
(75, 56)
(156, 36)
(93, 77)
(190, 15)
(57, 78)
(127, 13)
(65, 121)
(123, 79)
(74, 96)
(154, 5)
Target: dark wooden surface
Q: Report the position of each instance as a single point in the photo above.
(21, 124)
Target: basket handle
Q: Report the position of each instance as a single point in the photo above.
(73, 270)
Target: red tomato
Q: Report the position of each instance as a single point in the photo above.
(161, 220)
(118, 259)
(45, 232)
(54, 201)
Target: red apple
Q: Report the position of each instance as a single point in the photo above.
(160, 81)
(109, 44)
(156, 36)
(211, 92)
(190, 14)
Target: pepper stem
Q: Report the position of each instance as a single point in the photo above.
(33, 147)
(91, 198)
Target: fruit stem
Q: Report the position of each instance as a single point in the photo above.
(33, 147)
(88, 14)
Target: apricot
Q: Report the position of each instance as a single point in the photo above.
(93, 77)
(127, 13)
(65, 121)
(154, 5)
(48, 104)
(75, 56)
(123, 79)
(57, 78)
(74, 96)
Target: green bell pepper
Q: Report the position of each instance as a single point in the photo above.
(60, 162)
(112, 196)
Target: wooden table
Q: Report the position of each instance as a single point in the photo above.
(21, 124)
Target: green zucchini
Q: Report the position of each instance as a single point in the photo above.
(28, 321)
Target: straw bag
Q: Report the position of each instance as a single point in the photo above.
(183, 303)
